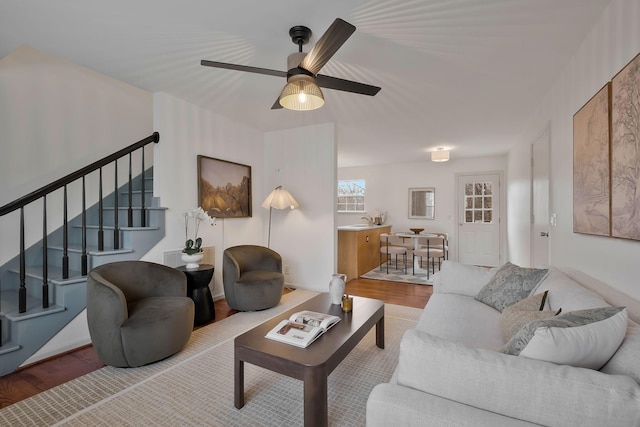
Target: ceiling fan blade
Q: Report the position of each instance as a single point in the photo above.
(246, 68)
(327, 45)
(276, 105)
(346, 85)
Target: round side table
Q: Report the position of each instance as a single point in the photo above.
(198, 280)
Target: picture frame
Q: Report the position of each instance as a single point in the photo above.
(422, 203)
(591, 167)
(625, 155)
(224, 188)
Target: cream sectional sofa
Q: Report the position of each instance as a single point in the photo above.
(451, 372)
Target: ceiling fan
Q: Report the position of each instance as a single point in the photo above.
(302, 91)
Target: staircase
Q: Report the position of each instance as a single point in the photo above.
(44, 287)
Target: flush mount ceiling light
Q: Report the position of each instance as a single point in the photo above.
(441, 155)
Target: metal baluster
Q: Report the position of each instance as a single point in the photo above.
(143, 211)
(45, 256)
(130, 211)
(65, 239)
(22, 292)
(116, 231)
(83, 258)
(100, 214)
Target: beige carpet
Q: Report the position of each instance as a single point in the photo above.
(195, 387)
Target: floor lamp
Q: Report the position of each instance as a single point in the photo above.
(279, 199)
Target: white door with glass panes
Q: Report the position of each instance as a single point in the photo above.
(479, 219)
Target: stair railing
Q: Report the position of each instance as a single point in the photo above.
(42, 193)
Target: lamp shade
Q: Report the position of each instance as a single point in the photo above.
(441, 155)
(280, 199)
(301, 94)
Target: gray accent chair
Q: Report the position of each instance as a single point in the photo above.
(252, 277)
(138, 312)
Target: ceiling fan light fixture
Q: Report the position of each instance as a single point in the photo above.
(301, 93)
(441, 155)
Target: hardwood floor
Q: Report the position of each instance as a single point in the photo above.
(49, 373)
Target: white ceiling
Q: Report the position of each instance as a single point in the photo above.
(462, 74)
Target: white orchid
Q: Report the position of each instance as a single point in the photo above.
(193, 246)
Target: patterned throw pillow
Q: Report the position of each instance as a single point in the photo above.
(510, 285)
(584, 338)
(519, 314)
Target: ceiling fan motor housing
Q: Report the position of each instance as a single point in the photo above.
(293, 64)
(300, 35)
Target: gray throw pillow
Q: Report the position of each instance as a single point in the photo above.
(583, 338)
(510, 285)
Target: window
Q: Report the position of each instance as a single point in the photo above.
(351, 195)
(478, 202)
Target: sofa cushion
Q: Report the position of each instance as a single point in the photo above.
(462, 279)
(394, 405)
(625, 359)
(531, 390)
(462, 319)
(509, 285)
(585, 338)
(566, 293)
(519, 314)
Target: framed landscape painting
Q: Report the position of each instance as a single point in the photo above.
(224, 188)
(591, 194)
(625, 152)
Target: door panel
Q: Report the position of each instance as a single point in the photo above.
(479, 219)
(540, 201)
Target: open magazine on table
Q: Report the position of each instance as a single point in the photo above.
(302, 328)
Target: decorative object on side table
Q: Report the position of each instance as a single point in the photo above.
(417, 230)
(192, 253)
(336, 287)
(347, 303)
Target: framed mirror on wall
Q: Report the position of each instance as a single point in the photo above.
(422, 203)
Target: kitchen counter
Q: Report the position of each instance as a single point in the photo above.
(358, 227)
(359, 248)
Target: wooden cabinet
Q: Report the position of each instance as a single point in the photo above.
(359, 250)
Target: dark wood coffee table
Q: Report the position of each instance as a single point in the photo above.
(313, 364)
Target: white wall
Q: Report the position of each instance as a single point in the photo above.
(387, 188)
(303, 161)
(185, 132)
(613, 42)
(55, 118)
(519, 205)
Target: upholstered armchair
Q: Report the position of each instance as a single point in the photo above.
(252, 277)
(138, 312)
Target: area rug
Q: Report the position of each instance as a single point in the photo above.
(195, 387)
(398, 275)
